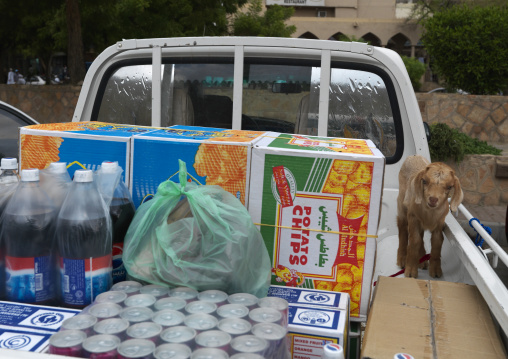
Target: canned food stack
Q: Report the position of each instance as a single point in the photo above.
(151, 321)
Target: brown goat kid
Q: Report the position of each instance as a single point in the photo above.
(422, 205)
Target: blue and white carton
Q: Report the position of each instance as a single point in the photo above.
(310, 328)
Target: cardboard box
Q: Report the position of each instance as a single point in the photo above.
(80, 144)
(310, 298)
(317, 201)
(27, 327)
(213, 156)
(430, 319)
(310, 328)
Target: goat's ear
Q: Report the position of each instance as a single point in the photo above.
(457, 196)
(417, 187)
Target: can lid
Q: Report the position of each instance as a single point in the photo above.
(136, 348)
(9, 163)
(83, 176)
(111, 326)
(165, 351)
(80, 321)
(101, 343)
(67, 338)
(30, 175)
(109, 167)
(58, 167)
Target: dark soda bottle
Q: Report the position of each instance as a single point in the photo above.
(9, 180)
(122, 212)
(28, 238)
(83, 233)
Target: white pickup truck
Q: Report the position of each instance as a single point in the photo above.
(314, 87)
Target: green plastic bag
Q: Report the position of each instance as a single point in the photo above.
(196, 236)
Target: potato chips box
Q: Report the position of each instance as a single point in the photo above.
(79, 144)
(316, 201)
(213, 156)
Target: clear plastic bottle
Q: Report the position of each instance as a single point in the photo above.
(9, 179)
(56, 181)
(122, 212)
(28, 238)
(83, 234)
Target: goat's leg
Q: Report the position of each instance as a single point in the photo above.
(435, 253)
(402, 251)
(415, 243)
(425, 264)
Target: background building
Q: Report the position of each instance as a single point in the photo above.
(380, 22)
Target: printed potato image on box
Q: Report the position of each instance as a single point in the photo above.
(213, 156)
(316, 201)
(80, 144)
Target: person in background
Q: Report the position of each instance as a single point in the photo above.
(10, 77)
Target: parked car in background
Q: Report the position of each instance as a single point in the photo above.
(35, 80)
(11, 119)
(445, 90)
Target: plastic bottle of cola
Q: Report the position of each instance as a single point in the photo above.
(9, 180)
(56, 181)
(122, 212)
(27, 225)
(83, 233)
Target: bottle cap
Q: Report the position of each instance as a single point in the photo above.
(83, 176)
(333, 351)
(403, 356)
(9, 163)
(58, 167)
(109, 167)
(30, 175)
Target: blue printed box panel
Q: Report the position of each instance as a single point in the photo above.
(213, 157)
(79, 144)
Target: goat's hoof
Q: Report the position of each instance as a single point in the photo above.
(435, 271)
(411, 272)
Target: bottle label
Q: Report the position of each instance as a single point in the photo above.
(119, 273)
(29, 279)
(83, 279)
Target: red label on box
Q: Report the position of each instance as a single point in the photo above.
(282, 186)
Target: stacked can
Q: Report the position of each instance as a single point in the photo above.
(155, 322)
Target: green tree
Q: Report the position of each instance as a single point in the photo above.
(39, 28)
(415, 69)
(468, 47)
(271, 23)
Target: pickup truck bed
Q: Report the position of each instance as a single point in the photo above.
(276, 84)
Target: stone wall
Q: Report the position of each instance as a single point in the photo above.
(481, 117)
(45, 104)
(480, 184)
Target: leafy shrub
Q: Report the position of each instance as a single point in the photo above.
(415, 69)
(446, 143)
(467, 46)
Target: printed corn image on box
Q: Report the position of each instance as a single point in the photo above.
(213, 156)
(79, 144)
(316, 201)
